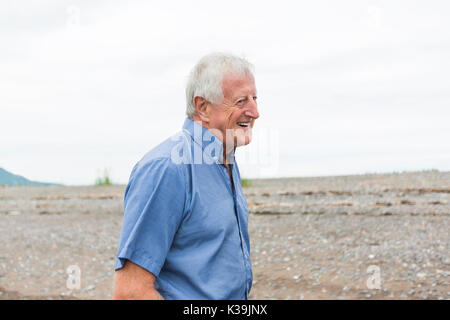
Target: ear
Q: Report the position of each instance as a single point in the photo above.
(201, 107)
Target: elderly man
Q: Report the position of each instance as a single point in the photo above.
(185, 228)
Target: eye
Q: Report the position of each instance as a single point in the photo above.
(255, 98)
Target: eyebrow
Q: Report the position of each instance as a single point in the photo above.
(244, 96)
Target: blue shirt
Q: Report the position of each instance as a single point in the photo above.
(185, 222)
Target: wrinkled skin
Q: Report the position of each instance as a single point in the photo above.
(238, 105)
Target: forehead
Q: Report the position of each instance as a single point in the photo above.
(234, 85)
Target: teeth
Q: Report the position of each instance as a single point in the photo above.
(245, 124)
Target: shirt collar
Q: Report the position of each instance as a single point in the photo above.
(212, 147)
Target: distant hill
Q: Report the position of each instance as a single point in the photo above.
(11, 179)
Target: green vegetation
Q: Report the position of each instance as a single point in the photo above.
(245, 183)
(103, 180)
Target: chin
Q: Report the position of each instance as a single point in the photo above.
(242, 137)
(242, 141)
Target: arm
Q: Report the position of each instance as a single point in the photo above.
(134, 283)
(152, 214)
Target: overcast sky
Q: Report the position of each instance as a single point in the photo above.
(344, 87)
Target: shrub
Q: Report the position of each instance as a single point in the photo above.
(104, 180)
(245, 183)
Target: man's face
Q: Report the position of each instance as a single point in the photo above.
(237, 112)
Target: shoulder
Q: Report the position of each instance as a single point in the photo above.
(165, 149)
(156, 180)
(155, 170)
(158, 165)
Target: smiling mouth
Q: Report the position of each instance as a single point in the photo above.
(243, 124)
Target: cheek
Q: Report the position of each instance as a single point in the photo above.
(229, 118)
(225, 118)
(217, 119)
(234, 116)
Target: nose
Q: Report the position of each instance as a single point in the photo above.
(252, 110)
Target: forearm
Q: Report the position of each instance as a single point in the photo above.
(149, 294)
(134, 283)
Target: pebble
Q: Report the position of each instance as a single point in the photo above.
(403, 239)
(421, 275)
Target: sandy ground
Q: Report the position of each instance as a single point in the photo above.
(350, 237)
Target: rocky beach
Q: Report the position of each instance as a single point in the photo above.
(374, 236)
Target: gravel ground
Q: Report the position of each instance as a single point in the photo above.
(350, 237)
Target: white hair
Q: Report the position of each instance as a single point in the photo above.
(205, 79)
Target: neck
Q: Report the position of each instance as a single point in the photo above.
(228, 154)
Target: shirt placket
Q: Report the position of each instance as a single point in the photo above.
(243, 242)
(244, 250)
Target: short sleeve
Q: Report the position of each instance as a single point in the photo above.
(153, 209)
